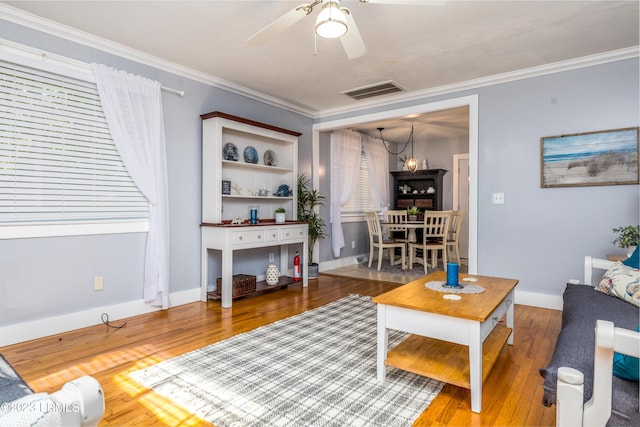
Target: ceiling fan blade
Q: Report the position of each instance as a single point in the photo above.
(352, 41)
(279, 25)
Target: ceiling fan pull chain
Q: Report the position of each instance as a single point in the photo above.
(315, 44)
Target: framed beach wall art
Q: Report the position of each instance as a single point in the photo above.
(607, 157)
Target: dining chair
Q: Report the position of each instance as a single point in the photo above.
(394, 221)
(378, 240)
(434, 239)
(454, 231)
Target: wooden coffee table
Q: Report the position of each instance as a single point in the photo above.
(454, 341)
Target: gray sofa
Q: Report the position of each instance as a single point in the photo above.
(583, 305)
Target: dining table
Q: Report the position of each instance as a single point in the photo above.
(411, 227)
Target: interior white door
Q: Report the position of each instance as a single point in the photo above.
(461, 199)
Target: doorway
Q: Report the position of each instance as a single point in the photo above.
(461, 199)
(469, 101)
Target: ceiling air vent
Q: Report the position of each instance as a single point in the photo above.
(377, 89)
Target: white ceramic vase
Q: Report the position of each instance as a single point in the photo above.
(280, 218)
(273, 275)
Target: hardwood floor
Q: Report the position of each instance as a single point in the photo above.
(512, 392)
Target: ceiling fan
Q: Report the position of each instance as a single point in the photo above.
(333, 21)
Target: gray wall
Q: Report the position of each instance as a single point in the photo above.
(46, 277)
(541, 236)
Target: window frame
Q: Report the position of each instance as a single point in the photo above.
(30, 57)
(359, 216)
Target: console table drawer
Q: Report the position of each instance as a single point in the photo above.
(295, 233)
(272, 234)
(245, 237)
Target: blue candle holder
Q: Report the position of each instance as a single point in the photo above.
(452, 275)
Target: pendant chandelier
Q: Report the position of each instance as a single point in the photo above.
(411, 163)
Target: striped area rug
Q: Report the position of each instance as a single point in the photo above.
(317, 368)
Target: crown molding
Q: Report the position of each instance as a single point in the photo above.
(35, 22)
(66, 32)
(556, 67)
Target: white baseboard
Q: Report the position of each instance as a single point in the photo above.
(340, 262)
(533, 299)
(26, 331)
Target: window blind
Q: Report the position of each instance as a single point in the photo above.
(57, 159)
(364, 198)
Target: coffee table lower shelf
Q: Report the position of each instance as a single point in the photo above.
(445, 361)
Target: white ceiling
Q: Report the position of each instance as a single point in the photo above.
(420, 47)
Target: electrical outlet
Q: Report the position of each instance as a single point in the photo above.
(497, 198)
(98, 283)
(271, 257)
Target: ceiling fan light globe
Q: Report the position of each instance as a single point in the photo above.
(331, 22)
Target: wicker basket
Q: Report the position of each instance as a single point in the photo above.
(424, 203)
(242, 284)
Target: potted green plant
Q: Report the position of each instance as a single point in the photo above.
(404, 188)
(413, 213)
(308, 200)
(627, 237)
(280, 215)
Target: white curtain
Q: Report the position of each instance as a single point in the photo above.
(133, 108)
(378, 161)
(345, 163)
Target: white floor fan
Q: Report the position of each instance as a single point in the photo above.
(333, 21)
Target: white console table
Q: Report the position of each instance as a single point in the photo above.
(228, 238)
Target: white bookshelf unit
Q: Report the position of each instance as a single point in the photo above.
(245, 177)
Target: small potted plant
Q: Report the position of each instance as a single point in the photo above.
(413, 213)
(309, 199)
(280, 217)
(404, 188)
(627, 237)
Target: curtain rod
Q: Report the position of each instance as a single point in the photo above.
(40, 55)
(173, 91)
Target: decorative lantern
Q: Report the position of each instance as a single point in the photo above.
(273, 275)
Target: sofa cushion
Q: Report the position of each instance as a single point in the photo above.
(583, 305)
(12, 386)
(625, 366)
(634, 259)
(623, 282)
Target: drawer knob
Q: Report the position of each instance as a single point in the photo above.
(259, 237)
(240, 238)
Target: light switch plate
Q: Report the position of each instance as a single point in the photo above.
(98, 283)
